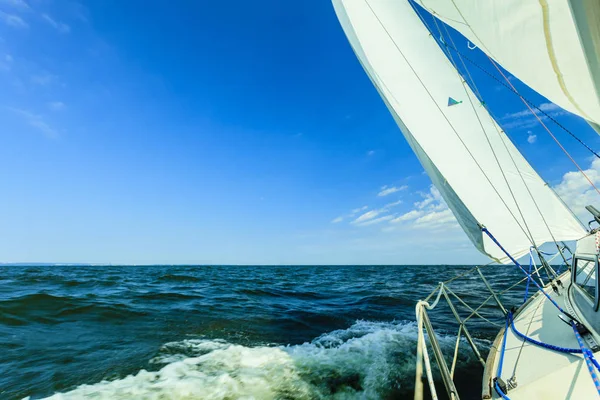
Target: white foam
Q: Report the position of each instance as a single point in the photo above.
(366, 361)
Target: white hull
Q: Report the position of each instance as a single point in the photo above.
(541, 373)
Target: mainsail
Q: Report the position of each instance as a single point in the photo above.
(551, 45)
(479, 172)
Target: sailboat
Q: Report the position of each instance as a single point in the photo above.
(548, 346)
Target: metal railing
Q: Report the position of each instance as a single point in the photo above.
(426, 334)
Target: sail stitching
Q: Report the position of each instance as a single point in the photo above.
(446, 118)
(552, 57)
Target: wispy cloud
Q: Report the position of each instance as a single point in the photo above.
(357, 210)
(43, 79)
(526, 119)
(413, 214)
(370, 153)
(367, 216)
(349, 215)
(13, 20)
(376, 220)
(432, 199)
(430, 213)
(6, 62)
(387, 190)
(37, 122)
(531, 138)
(16, 4)
(59, 26)
(56, 105)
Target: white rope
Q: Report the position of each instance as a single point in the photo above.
(425, 304)
(422, 353)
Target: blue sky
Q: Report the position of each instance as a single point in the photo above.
(218, 132)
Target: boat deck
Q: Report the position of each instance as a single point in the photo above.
(541, 373)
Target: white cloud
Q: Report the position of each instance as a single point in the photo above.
(393, 204)
(59, 26)
(431, 213)
(575, 190)
(350, 215)
(37, 122)
(376, 220)
(526, 119)
(370, 152)
(56, 105)
(13, 20)
(413, 214)
(357, 210)
(387, 190)
(436, 219)
(366, 216)
(432, 197)
(531, 138)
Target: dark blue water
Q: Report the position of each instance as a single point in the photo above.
(225, 332)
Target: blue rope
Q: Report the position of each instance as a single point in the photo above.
(541, 344)
(593, 359)
(500, 392)
(501, 362)
(547, 254)
(588, 356)
(484, 229)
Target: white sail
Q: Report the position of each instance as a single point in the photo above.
(416, 81)
(551, 45)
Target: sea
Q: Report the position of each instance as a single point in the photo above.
(233, 332)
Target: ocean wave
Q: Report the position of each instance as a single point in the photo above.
(49, 309)
(179, 278)
(369, 360)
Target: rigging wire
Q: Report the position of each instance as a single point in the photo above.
(511, 88)
(463, 82)
(445, 117)
(471, 82)
(544, 125)
(480, 97)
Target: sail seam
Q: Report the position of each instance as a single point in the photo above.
(552, 57)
